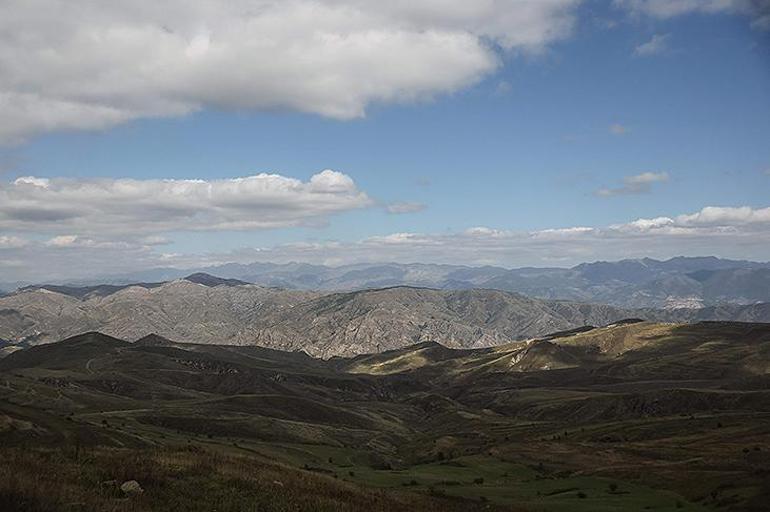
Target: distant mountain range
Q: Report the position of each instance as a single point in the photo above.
(638, 283)
(202, 308)
(642, 283)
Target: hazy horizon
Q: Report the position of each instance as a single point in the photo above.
(170, 273)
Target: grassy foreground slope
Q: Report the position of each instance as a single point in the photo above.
(184, 479)
(633, 416)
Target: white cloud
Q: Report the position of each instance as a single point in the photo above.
(658, 44)
(646, 224)
(398, 239)
(405, 207)
(661, 237)
(563, 232)
(758, 10)
(79, 64)
(726, 216)
(31, 180)
(62, 241)
(75, 241)
(638, 184)
(78, 207)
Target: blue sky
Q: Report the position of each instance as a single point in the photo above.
(523, 149)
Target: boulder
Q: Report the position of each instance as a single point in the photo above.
(131, 487)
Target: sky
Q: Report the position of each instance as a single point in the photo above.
(516, 133)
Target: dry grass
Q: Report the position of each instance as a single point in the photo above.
(185, 480)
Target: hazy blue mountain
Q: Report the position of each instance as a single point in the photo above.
(629, 283)
(634, 283)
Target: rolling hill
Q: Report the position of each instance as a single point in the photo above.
(631, 416)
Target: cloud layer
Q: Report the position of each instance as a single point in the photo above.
(101, 207)
(737, 232)
(80, 64)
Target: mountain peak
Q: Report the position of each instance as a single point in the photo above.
(154, 340)
(211, 281)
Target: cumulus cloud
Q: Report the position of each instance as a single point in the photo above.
(404, 207)
(734, 232)
(726, 216)
(642, 225)
(758, 10)
(79, 64)
(638, 184)
(658, 44)
(711, 219)
(78, 207)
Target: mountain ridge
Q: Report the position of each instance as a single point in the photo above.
(631, 283)
(321, 324)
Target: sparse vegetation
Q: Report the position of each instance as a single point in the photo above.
(181, 480)
(618, 429)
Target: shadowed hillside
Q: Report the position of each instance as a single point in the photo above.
(632, 416)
